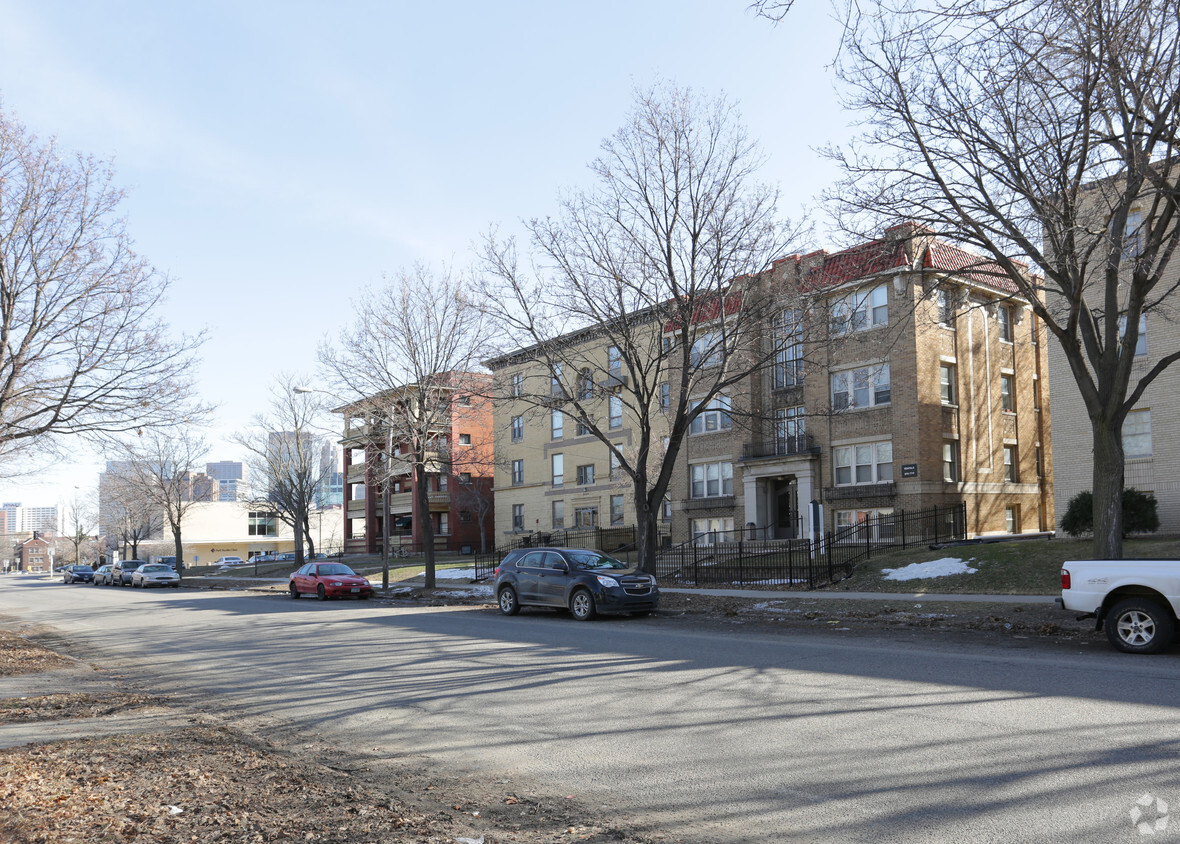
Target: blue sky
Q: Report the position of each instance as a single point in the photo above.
(280, 156)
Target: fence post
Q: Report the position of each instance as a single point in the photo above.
(741, 563)
(904, 544)
(935, 520)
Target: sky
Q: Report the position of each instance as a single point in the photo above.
(280, 157)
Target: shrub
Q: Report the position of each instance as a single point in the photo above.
(1139, 513)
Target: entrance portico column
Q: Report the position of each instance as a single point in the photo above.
(756, 509)
(805, 494)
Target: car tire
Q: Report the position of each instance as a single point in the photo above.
(509, 603)
(1139, 626)
(582, 605)
(294, 590)
(320, 593)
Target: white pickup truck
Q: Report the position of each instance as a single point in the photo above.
(1137, 601)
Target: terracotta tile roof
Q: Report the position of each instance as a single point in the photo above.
(943, 256)
(862, 261)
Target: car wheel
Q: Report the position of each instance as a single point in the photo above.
(293, 590)
(582, 605)
(320, 593)
(509, 605)
(1139, 626)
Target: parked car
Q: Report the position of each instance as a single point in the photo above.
(102, 575)
(584, 581)
(229, 562)
(77, 573)
(264, 558)
(286, 557)
(328, 580)
(154, 574)
(122, 571)
(1136, 601)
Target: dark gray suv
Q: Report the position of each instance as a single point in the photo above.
(121, 572)
(584, 581)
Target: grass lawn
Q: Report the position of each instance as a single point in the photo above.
(1025, 567)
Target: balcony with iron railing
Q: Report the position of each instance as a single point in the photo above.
(787, 446)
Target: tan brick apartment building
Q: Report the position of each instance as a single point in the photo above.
(459, 474)
(916, 380)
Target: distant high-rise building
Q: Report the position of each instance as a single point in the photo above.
(230, 476)
(4, 522)
(12, 510)
(39, 518)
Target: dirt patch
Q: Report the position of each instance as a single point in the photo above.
(205, 784)
(20, 656)
(57, 706)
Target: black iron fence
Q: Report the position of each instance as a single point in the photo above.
(748, 556)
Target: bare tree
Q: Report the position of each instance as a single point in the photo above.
(82, 348)
(411, 360)
(129, 512)
(659, 262)
(1043, 134)
(162, 465)
(81, 521)
(285, 456)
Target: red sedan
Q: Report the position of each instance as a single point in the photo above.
(329, 580)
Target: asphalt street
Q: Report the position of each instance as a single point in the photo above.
(706, 734)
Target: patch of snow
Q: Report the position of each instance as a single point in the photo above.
(473, 592)
(450, 574)
(935, 568)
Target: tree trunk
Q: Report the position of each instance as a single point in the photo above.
(179, 548)
(310, 541)
(426, 530)
(1108, 489)
(647, 530)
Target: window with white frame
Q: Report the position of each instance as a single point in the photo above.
(558, 469)
(946, 307)
(1132, 234)
(710, 480)
(558, 515)
(861, 310)
(665, 396)
(865, 386)
(518, 517)
(707, 350)
(616, 510)
(712, 531)
(950, 461)
(1011, 464)
(1137, 433)
(788, 357)
(586, 474)
(946, 376)
(555, 385)
(863, 463)
(875, 524)
(666, 510)
(517, 472)
(557, 425)
(1008, 393)
(616, 472)
(1004, 316)
(615, 411)
(714, 417)
(789, 432)
(1012, 518)
(517, 428)
(517, 385)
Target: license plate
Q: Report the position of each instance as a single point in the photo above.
(356, 589)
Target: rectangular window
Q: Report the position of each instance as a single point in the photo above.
(867, 386)
(614, 361)
(465, 516)
(555, 388)
(558, 515)
(518, 517)
(517, 385)
(665, 396)
(262, 523)
(788, 357)
(444, 524)
(946, 307)
(950, 461)
(1141, 339)
(666, 511)
(616, 510)
(442, 483)
(1137, 434)
(1008, 393)
(946, 373)
(586, 474)
(790, 436)
(585, 384)
(557, 425)
(465, 439)
(583, 428)
(710, 480)
(1004, 315)
(707, 350)
(712, 531)
(714, 417)
(865, 463)
(585, 517)
(558, 469)
(1012, 518)
(1011, 466)
(1132, 234)
(861, 310)
(464, 478)
(517, 428)
(616, 472)
(615, 405)
(517, 472)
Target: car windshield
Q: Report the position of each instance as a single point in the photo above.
(155, 568)
(83, 568)
(593, 560)
(335, 568)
